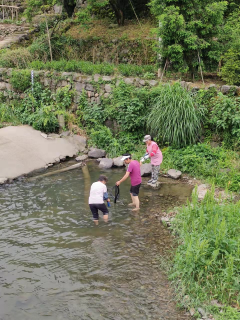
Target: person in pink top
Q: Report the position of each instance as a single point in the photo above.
(155, 154)
(134, 172)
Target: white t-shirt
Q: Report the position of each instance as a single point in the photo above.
(96, 192)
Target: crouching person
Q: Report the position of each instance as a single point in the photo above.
(98, 193)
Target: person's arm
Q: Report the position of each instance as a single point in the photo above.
(123, 178)
(154, 150)
(105, 196)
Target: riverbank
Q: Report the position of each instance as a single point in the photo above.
(24, 150)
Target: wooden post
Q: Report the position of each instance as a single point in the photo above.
(49, 39)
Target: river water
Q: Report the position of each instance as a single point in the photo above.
(56, 264)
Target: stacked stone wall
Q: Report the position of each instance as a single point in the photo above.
(95, 86)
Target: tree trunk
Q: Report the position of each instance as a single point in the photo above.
(119, 11)
(69, 6)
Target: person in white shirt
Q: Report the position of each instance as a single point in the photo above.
(98, 193)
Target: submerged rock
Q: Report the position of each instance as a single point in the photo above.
(96, 153)
(81, 158)
(174, 174)
(105, 163)
(146, 169)
(117, 162)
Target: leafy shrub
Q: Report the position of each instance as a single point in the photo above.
(18, 58)
(21, 79)
(207, 258)
(44, 119)
(216, 165)
(230, 72)
(7, 114)
(173, 117)
(40, 107)
(129, 106)
(220, 116)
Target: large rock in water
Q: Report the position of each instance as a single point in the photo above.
(96, 153)
(174, 174)
(146, 169)
(117, 162)
(105, 163)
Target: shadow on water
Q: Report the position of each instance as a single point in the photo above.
(56, 264)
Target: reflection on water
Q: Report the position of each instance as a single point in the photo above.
(56, 264)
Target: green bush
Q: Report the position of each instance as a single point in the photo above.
(18, 58)
(216, 165)
(7, 114)
(206, 264)
(230, 72)
(40, 107)
(21, 79)
(174, 118)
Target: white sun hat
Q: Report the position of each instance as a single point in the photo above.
(125, 157)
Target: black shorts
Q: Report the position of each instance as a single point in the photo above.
(134, 190)
(98, 206)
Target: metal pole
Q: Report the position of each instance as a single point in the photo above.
(32, 79)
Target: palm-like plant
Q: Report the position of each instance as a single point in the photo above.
(174, 119)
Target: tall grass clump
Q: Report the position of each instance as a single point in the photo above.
(174, 118)
(206, 264)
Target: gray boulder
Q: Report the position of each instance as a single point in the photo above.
(146, 169)
(225, 89)
(174, 174)
(96, 153)
(105, 163)
(81, 158)
(117, 162)
(202, 189)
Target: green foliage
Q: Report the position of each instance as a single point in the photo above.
(128, 105)
(221, 115)
(216, 165)
(84, 67)
(126, 110)
(188, 31)
(121, 9)
(35, 6)
(7, 114)
(18, 58)
(206, 264)
(230, 72)
(21, 80)
(173, 117)
(40, 107)
(229, 313)
(134, 70)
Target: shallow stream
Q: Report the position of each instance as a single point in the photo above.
(56, 264)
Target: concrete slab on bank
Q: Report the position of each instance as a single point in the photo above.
(23, 150)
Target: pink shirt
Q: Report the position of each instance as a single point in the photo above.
(155, 154)
(135, 172)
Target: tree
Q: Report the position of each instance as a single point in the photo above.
(122, 9)
(69, 6)
(189, 31)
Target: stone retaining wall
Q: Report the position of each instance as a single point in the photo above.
(96, 86)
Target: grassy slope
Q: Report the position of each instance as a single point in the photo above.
(102, 29)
